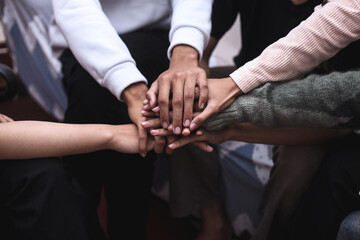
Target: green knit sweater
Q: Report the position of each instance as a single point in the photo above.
(329, 101)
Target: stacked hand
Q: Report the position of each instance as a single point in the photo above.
(180, 101)
(222, 93)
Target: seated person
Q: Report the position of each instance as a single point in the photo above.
(251, 50)
(38, 199)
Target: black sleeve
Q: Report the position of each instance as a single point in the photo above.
(224, 13)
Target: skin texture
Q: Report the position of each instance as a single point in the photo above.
(134, 95)
(174, 89)
(247, 132)
(38, 139)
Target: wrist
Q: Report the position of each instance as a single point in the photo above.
(228, 133)
(184, 54)
(107, 136)
(134, 93)
(233, 89)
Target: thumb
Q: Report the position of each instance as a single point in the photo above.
(152, 93)
(200, 119)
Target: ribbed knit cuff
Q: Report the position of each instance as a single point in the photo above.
(229, 115)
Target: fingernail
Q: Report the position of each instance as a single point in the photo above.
(177, 130)
(172, 145)
(202, 105)
(154, 132)
(187, 123)
(145, 102)
(156, 109)
(145, 124)
(146, 107)
(193, 126)
(165, 124)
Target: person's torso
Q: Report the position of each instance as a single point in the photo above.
(131, 15)
(265, 21)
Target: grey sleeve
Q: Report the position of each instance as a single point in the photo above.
(329, 101)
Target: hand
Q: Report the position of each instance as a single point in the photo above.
(130, 143)
(134, 95)
(4, 118)
(160, 141)
(201, 141)
(179, 83)
(204, 64)
(222, 93)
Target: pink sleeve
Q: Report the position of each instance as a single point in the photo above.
(329, 29)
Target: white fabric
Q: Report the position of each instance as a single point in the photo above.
(91, 27)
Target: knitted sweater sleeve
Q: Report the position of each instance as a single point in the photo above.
(329, 29)
(330, 101)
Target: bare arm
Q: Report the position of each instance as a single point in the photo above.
(246, 132)
(34, 139)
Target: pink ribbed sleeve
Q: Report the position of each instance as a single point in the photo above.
(329, 29)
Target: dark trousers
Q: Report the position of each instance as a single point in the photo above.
(127, 178)
(333, 193)
(39, 201)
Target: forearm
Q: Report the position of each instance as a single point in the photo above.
(283, 136)
(33, 139)
(88, 28)
(315, 40)
(317, 101)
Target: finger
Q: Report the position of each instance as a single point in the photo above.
(182, 141)
(161, 132)
(148, 113)
(159, 144)
(142, 141)
(4, 118)
(204, 146)
(196, 107)
(150, 143)
(204, 91)
(200, 131)
(156, 109)
(170, 139)
(197, 92)
(189, 94)
(170, 128)
(200, 119)
(163, 100)
(151, 123)
(177, 104)
(186, 132)
(151, 95)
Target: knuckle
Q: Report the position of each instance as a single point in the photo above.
(164, 78)
(188, 95)
(203, 85)
(189, 72)
(177, 101)
(178, 74)
(162, 100)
